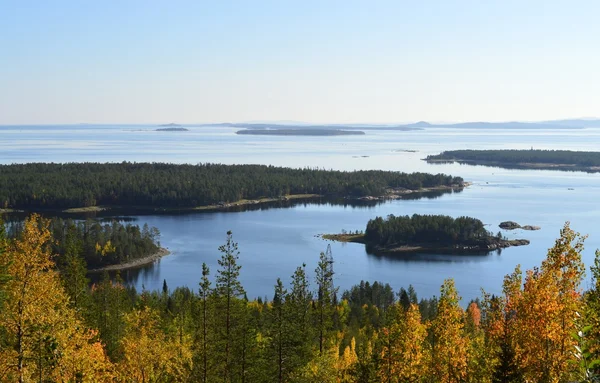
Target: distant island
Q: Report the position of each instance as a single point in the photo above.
(427, 233)
(421, 125)
(300, 132)
(523, 159)
(172, 130)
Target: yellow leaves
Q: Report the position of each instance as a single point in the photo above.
(37, 319)
(449, 351)
(403, 353)
(148, 354)
(108, 248)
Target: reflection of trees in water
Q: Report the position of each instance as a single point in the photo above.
(428, 257)
(124, 214)
(131, 276)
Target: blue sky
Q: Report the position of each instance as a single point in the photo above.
(315, 61)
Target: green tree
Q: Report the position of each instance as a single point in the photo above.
(228, 290)
(203, 318)
(326, 293)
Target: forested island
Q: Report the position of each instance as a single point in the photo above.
(55, 327)
(437, 233)
(175, 129)
(523, 159)
(78, 187)
(300, 132)
(100, 245)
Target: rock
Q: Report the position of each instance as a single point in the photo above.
(509, 225)
(530, 227)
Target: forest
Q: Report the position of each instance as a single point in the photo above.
(72, 185)
(98, 244)
(55, 327)
(516, 157)
(439, 230)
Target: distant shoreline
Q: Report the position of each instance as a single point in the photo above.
(537, 159)
(162, 252)
(300, 132)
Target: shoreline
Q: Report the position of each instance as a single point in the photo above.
(519, 165)
(391, 194)
(162, 252)
(416, 248)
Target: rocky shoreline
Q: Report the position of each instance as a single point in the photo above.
(492, 243)
(162, 252)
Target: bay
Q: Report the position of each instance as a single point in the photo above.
(274, 241)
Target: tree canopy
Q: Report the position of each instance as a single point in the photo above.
(72, 185)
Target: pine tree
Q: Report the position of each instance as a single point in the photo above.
(325, 298)
(228, 290)
(297, 304)
(279, 333)
(203, 325)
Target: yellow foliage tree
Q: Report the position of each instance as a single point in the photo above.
(449, 345)
(45, 339)
(403, 354)
(546, 312)
(149, 355)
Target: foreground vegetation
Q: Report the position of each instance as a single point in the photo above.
(533, 159)
(54, 327)
(74, 185)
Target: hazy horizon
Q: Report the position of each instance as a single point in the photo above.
(317, 62)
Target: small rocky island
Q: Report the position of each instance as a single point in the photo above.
(512, 225)
(427, 233)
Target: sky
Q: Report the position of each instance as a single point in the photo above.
(144, 61)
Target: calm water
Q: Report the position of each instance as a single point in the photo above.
(274, 241)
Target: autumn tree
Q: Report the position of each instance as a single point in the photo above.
(403, 353)
(4, 262)
(45, 340)
(547, 310)
(149, 355)
(449, 345)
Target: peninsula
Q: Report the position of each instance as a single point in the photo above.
(159, 187)
(431, 233)
(523, 159)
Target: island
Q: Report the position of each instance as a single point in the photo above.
(523, 159)
(130, 188)
(427, 233)
(300, 132)
(512, 225)
(172, 130)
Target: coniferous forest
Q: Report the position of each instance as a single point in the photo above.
(55, 327)
(432, 229)
(73, 185)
